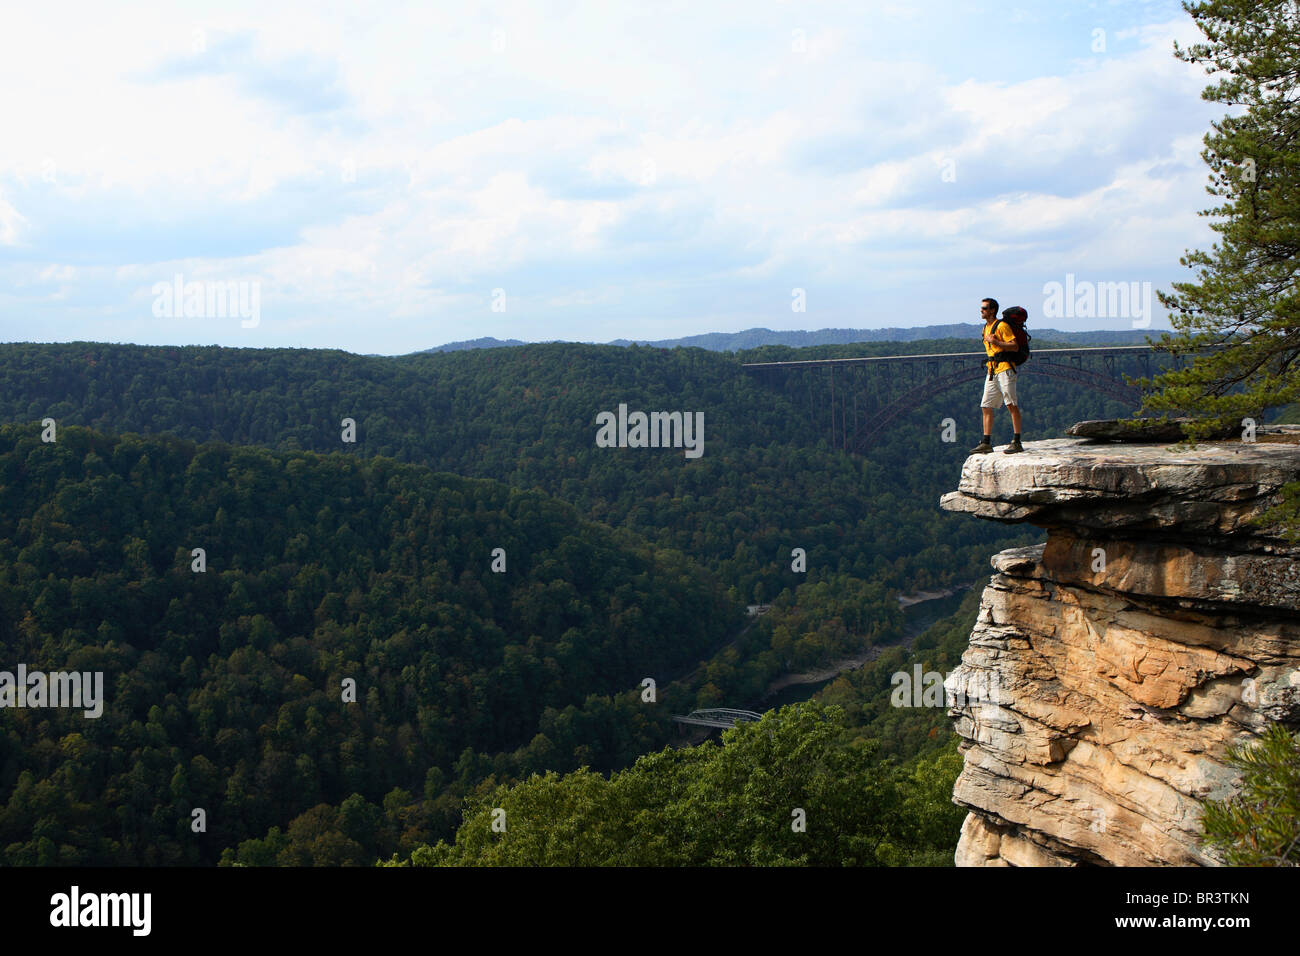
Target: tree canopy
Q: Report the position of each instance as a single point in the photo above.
(1240, 319)
(795, 789)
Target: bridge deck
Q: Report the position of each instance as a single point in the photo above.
(1084, 350)
(718, 717)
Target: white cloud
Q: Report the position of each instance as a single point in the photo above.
(11, 222)
(606, 160)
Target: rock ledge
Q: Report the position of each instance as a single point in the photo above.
(1158, 624)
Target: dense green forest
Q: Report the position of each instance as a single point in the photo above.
(875, 782)
(795, 789)
(767, 482)
(224, 685)
(369, 560)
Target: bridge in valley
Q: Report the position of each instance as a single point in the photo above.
(718, 717)
(855, 399)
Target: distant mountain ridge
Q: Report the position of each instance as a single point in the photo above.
(486, 342)
(798, 338)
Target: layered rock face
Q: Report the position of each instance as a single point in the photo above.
(1110, 668)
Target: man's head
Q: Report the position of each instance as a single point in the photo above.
(989, 309)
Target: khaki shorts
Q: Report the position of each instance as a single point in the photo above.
(999, 389)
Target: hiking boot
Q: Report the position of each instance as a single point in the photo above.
(1014, 447)
(983, 448)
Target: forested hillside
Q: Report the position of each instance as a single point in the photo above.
(796, 789)
(767, 481)
(874, 781)
(224, 686)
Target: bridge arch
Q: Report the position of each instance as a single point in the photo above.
(867, 434)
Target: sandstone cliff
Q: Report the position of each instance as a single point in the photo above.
(1156, 626)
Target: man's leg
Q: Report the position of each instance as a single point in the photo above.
(988, 404)
(1007, 387)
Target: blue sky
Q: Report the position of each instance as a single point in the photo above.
(394, 177)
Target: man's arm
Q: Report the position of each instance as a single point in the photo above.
(1001, 344)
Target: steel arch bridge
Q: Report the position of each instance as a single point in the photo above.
(858, 411)
(718, 717)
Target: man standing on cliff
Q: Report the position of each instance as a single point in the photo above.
(1000, 383)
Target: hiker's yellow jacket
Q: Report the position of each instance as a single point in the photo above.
(1003, 333)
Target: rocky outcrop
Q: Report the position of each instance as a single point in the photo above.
(1111, 429)
(1111, 667)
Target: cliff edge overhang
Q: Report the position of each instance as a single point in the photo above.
(1158, 624)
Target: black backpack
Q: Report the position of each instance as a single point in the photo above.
(1016, 317)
